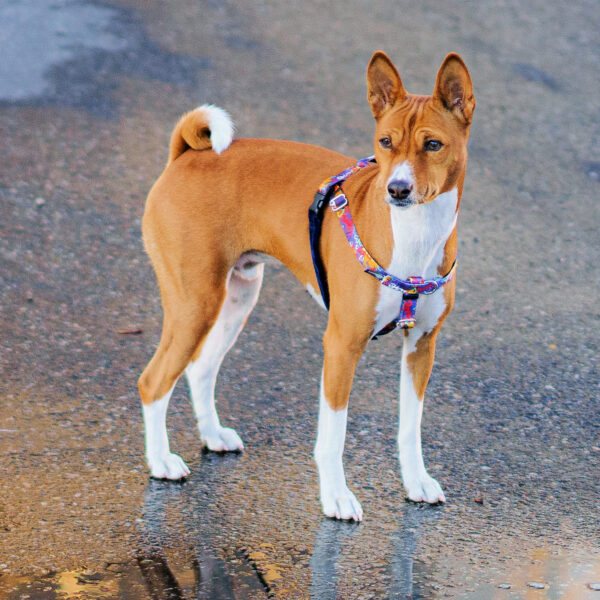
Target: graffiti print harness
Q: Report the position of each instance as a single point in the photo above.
(331, 192)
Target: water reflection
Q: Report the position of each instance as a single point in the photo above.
(215, 577)
(404, 574)
(164, 566)
(203, 574)
(324, 560)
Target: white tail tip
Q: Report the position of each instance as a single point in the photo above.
(220, 125)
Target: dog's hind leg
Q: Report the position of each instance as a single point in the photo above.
(243, 287)
(183, 331)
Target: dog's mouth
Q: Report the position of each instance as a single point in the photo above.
(401, 202)
(415, 198)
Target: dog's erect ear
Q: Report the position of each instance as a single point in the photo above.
(454, 89)
(384, 86)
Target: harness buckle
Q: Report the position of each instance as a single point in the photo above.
(406, 323)
(432, 286)
(338, 201)
(318, 203)
(407, 319)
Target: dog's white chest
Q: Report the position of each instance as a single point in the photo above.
(420, 234)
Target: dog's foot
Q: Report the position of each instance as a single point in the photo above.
(222, 439)
(423, 488)
(341, 504)
(169, 466)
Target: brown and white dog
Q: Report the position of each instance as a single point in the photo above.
(222, 205)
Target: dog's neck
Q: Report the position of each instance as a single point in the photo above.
(420, 234)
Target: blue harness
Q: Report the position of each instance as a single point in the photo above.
(330, 192)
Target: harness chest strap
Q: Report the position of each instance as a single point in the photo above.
(411, 288)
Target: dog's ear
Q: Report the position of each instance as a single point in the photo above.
(454, 89)
(384, 86)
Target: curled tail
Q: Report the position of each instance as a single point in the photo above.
(207, 126)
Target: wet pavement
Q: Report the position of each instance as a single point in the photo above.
(89, 91)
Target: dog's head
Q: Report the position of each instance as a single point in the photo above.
(420, 141)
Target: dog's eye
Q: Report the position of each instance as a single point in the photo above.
(386, 142)
(433, 145)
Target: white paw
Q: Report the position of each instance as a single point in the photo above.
(169, 466)
(222, 439)
(423, 488)
(341, 504)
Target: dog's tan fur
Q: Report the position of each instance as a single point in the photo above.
(207, 210)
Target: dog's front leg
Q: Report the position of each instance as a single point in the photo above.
(417, 362)
(340, 361)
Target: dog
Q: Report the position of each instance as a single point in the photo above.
(222, 206)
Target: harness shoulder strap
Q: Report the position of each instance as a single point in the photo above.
(331, 193)
(316, 212)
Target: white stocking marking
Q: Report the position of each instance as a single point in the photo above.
(419, 485)
(242, 294)
(336, 499)
(163, 464)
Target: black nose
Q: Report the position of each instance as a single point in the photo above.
(400, 189)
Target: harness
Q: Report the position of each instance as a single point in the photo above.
(330, 192)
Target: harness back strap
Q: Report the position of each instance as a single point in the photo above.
(315, 224)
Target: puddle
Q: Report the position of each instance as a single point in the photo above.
(332, 560)
(149, 575)
(74, 53)
(543, 575)
(69, 584)
(531, 73)
(198, 575)
(62, 29)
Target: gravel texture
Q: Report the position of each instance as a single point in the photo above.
(511, 426)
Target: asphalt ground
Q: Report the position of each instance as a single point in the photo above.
(89, 92)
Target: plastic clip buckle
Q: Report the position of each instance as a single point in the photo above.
(318, 203)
